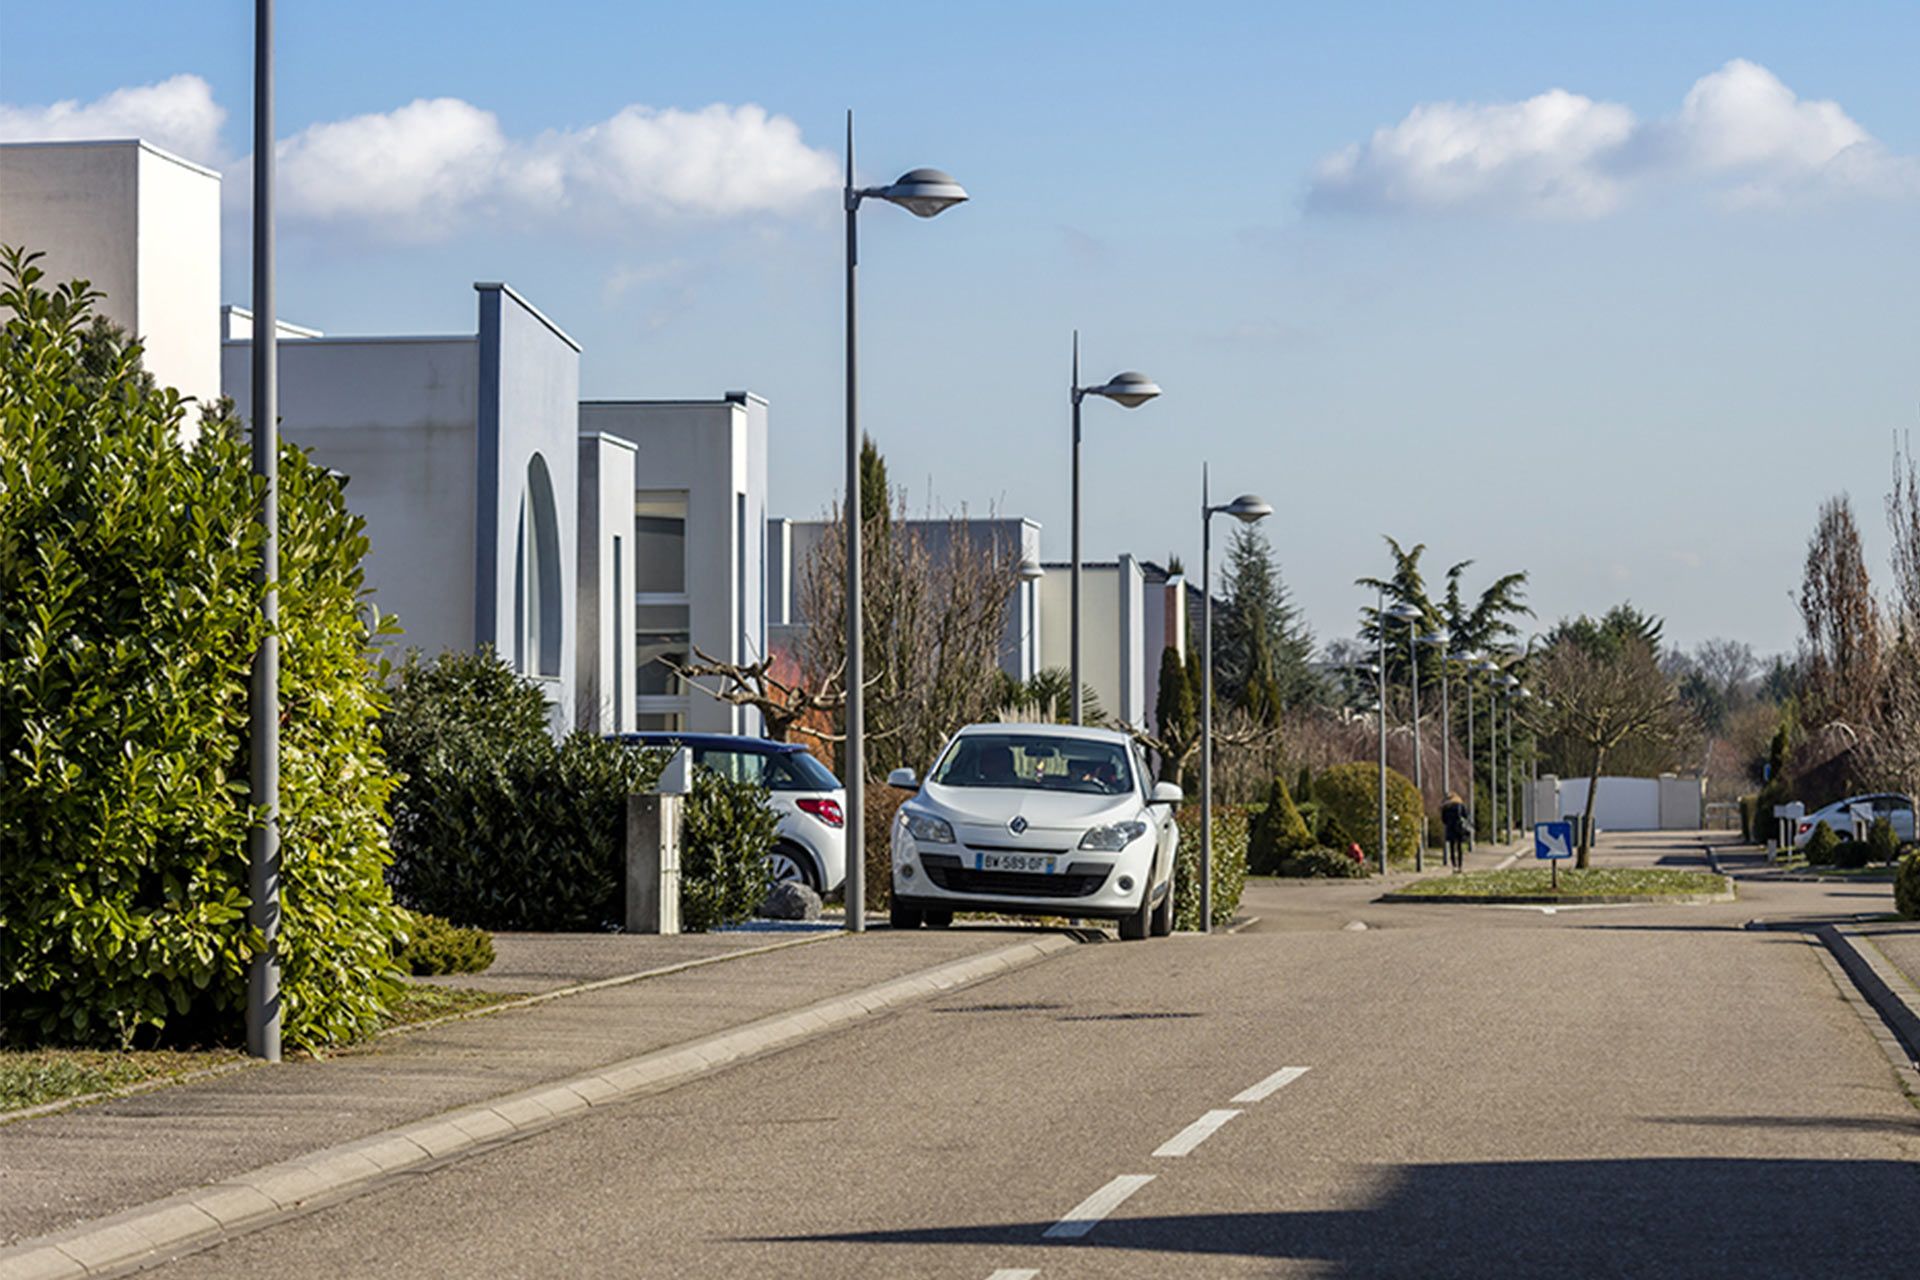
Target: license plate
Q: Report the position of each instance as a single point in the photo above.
(1042, 864)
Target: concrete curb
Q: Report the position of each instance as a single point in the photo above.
(1844, 964)
(1884, 987)
(162, 1228)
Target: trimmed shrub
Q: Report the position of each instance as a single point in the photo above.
(129, 616)
(432, 946)
(1229, 865)
(1883, 846)
(1276, 831)
(1906, 886)
(725, 839)
(882, 803)
(1821, 845)
(1765, 826)
(1327, 864)
(1851, 855)
(1349, 794)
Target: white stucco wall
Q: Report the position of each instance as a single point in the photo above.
(603, 701)
(1112, 635)
(143, 227)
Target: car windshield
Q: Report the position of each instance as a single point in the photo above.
(1036, 762)
(780, 771)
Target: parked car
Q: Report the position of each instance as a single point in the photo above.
(812, 842)
(1036, 820)
(1839, 815)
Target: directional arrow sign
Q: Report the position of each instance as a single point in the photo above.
(1552, 840)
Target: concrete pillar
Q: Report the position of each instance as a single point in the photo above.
(653, 864)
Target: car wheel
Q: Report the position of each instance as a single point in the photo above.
(1136, 927)
(937, 919)
(787, 863)
(1163, 914)
(903, 917)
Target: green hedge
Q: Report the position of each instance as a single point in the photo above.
(1229, 865)
(1349, 798)
(433, 946)
(727, 834)
(1906, 886)
(128, 622)
(1329, 864)
(1276, 832)
(1822, 846)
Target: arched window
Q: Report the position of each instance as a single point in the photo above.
(536, 577)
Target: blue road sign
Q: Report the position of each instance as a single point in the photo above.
(1552, 840)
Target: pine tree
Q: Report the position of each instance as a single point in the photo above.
(876, 499)
(1262, 647)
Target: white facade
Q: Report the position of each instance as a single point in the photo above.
(605, 700)
(1665, 803)
(698, 507)
(143, 228)
(1114, 658)
(461, 453)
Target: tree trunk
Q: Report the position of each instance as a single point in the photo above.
(1586, 823)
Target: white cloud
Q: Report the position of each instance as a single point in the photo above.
(178, 114)
(1739, 133)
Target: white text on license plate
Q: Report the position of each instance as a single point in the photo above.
(1032, 863)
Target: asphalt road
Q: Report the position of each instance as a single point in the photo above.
(1450, 1092)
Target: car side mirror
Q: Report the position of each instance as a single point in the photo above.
(1166, 793)
(903, 779)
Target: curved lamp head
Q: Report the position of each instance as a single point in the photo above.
(1248, 507)
(1031, 571)
(924, 192)
(1403, 612)
(1510, 683)
(1438, 639)
(1128, 389)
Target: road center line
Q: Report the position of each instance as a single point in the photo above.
(1014, 1273)
(1086, 1215)
(1271, 1085)
(1183, 1142)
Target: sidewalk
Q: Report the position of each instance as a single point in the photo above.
(78, 1165)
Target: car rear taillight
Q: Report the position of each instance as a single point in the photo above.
(828, 811)
(1805, 827)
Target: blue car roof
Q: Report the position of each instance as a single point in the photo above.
(709, 742)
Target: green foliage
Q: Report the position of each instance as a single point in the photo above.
(1277, 831)
(1327, 830)
(1906, 886)
(433, 946)
(725, 839)
(1326, 864)
(1176, 713)
(1776, 792)
(1883, 846)
(1349, 794)
(494, 823)
(876, 494)
(1263, 650)
(129, 616)
(1821, 846)
(1229, 865)
(1851, 855)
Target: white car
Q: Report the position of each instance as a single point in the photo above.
(1897, 809)
(1037, 820)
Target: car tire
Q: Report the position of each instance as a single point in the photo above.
(937, 919)
(1138, 926)
(1163, 914)
(903, 917)
(790, 862)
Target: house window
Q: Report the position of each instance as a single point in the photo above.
(660, 637)
(660, 542)
(536, 577)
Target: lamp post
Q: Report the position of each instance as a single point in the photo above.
(1246, 508)
(1471, 663)
(1443, 641)
(1513, 693)
(1380, 695)
(1130, 390)
(1492, 671)
(923, 193)
(1411, 615)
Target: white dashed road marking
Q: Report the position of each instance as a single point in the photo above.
(1014, 1273)
(1194, 1134)
(1086, 1215)
(1271, 1085)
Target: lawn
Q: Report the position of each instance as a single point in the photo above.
(1595, 882)
(423, 1002)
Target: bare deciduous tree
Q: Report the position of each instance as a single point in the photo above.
(784, 705)
(1897, 745)
(1842, 624)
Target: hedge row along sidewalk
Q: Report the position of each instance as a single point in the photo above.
(122, 1158)
(1596, 885)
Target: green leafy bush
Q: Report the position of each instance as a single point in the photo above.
(725, 839)
(1276, 831)
(1883, 846)
(1229, 865)
(1775, 793)
(1821, 846)
(1330, 864)
(432, 946)
(1851, 855)
(1906, 886)
(129, 616)
(1349, 794)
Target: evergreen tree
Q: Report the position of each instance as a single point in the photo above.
(1262, 647)
(1176, 712)
(876, 499)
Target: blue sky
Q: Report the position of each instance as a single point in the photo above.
(1625, 337)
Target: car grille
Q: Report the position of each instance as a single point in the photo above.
(1080, 879)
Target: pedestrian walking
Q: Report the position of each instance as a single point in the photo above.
(1454, 814)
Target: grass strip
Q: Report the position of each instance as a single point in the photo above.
(1594, 882)
(424, 1001)
(34, 1077)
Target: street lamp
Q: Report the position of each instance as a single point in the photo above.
(923, 193)
(1443, 641)
(1128, 390)
(1246, 508)
(1513, 692)
(1411, 615)
(1491, 670)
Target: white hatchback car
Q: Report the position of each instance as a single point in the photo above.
(1037, 820)
(1897, 809)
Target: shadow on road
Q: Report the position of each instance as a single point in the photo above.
(1850, 1124)
(1690, 1218)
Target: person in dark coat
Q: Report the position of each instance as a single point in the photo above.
(1454, 814)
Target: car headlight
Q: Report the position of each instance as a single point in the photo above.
(928, 829)
(1114, 838)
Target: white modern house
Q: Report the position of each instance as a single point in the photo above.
(143, 227)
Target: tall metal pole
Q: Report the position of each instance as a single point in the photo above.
(1380, 623)
(856, 758)
(1074, 621)
(1494, 828)
(1473, 764)
(1419, 782)
(1446, 727)
(1510, 814)
(263, 729)
(1206, 702)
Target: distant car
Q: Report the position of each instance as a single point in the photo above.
(812, 843)
(1037, 820)
(1839, 815)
